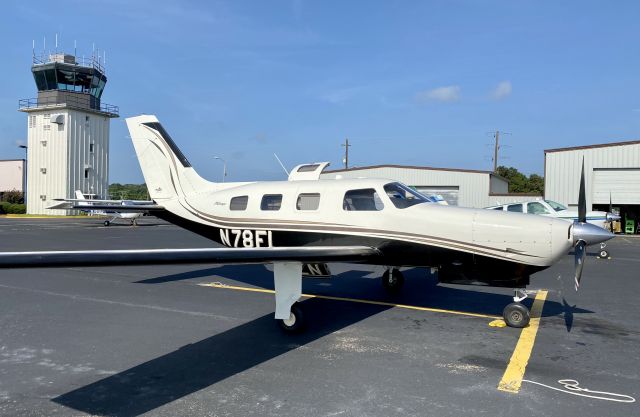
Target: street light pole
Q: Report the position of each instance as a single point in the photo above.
(224, 171)
(24, 173)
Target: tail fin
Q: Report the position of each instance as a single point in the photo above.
(81, 196)
(166, 170)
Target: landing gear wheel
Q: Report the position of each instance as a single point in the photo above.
(106, 223)
(132, 222)
(603, 253)
(392, 281)
(516, 315)
(295, 322)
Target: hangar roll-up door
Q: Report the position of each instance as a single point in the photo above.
(622, 183)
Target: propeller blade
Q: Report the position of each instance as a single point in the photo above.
(610, 203)
(580, 255)
(582, 199)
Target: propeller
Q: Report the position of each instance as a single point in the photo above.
(582, 199)
(581, 245)
(584, 233)
(580, 254)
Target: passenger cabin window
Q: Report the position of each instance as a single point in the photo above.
(515, 208)
(239, 203)
(402, 196)
(365, 199)
(536, 208)
(271, 202)
(498, 208)
(308, 201)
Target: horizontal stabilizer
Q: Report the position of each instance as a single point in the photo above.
(358, 254)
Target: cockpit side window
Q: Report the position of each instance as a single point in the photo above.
(402, 196)
(365, 199)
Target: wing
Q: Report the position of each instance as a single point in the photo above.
(122, 208)
(356, 254)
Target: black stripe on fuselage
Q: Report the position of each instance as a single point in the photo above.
(484, 269)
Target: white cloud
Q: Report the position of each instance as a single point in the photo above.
(503, 90)
(446, 94)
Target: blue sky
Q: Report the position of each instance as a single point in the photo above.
(408, 82)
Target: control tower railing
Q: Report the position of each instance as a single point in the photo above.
(75, 100)
(92, 61)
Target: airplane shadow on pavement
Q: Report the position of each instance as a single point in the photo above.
(196, 366)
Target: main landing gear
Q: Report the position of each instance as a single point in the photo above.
(295, 322)
(392, 280)
(516, 314)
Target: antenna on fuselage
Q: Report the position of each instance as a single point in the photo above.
(281, 164)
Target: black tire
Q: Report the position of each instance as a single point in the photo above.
(603, 253)
(516, 315)
(106, 223)
(295, 323)
(393, 281)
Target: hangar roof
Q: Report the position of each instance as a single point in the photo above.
(601, 145)
(411, 167)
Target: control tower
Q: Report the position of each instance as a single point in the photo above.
(68, 125)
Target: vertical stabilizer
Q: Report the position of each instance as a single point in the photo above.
(167, 172)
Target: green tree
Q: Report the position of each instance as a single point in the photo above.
(128, 191)
(520, 183)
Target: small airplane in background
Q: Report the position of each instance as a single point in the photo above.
(551, 208)
(308, 220)
(110, 208)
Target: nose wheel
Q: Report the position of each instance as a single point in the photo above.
(517, 314)
(392, 280)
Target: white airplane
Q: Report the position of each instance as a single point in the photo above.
(307, 220)
(110, 208)
(551, 208)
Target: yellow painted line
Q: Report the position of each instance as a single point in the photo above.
(512, 378)
(354, 300)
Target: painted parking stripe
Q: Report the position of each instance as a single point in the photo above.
(353, 300)
(512, 378)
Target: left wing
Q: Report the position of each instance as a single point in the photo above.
(357, 254)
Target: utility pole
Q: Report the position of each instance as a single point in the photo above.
(346, 153)
(495, 151)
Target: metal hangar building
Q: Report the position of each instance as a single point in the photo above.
(458, 187)
(612, 173)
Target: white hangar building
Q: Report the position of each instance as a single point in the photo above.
(459, 187)
(612, 170)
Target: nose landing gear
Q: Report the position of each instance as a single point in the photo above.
(517, 314)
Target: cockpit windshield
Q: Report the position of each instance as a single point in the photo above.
(555, 206)
(402, 196)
